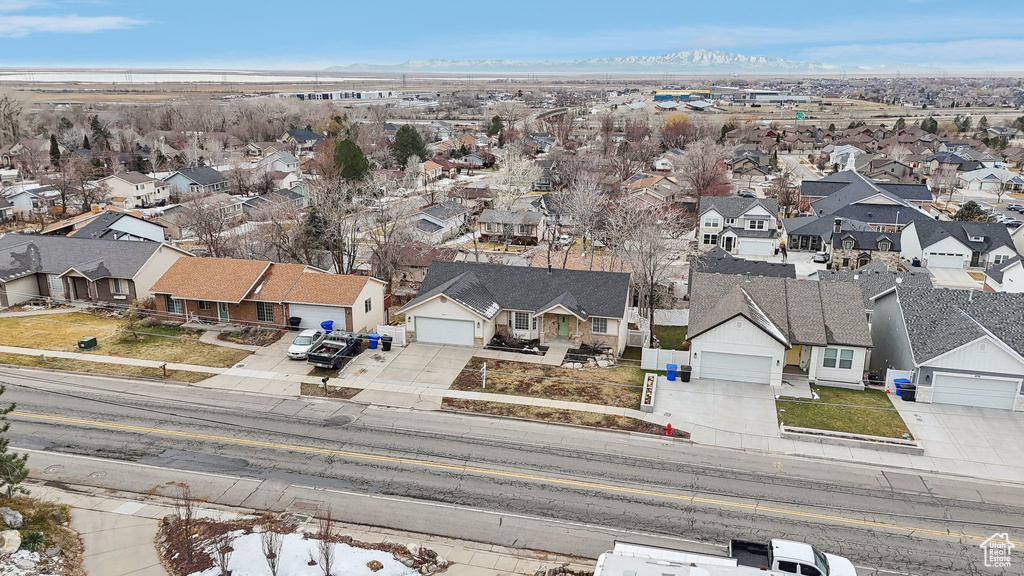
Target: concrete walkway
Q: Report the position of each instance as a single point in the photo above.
(211, 338)
(553, 357)
(105, 359)
(119, 534)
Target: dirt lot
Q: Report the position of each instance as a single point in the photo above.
(619, 386)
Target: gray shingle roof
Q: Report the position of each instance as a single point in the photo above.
(736, 206)
(876, 277)
(942, 320)
(996, 272)
(488, 288)
(510, 217)
(99, 227)
(819, 226)
(718, 261)
(746, 233)
(446, 210)
(202, 175)
(22, 255)
(805, 312)
(995, 234)
(867, 240)
(303, 135)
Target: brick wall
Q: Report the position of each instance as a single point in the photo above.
(892, 259)
(242, 313)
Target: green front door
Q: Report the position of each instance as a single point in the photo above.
(222, 311)
(563, 326)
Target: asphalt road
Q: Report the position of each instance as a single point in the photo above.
(565, 490)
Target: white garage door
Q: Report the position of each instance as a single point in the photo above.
(444, 331)
(970, 391)
(756, 248)
(736, 367)
(313, 315)
(944, 260)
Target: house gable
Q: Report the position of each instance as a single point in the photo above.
(986, 354)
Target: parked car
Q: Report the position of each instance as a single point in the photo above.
(747, 193)
(304, 342)
(821, 257)
(1015, 208)
(1013, 223)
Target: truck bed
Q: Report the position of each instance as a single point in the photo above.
(332, 351)
(747, 553)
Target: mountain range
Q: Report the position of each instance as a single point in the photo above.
(695, 62)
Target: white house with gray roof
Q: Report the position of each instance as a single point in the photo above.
(464, 303)
(67, 268)
(440, 222)
(752, 329)
(963, 347)
(1007, 276)
(952, 244)
(200, 180)
(741, 226)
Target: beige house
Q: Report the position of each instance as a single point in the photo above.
(132, 190)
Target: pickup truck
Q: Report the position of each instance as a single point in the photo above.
(790, 557)
(336, 346)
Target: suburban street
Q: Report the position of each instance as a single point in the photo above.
(527, 485)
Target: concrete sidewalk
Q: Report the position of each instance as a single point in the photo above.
(119, 533)
(105, 359)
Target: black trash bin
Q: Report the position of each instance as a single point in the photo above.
(684, 372)
(385, 343)
(294, 322)
(909, 393)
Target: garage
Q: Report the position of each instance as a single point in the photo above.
(756, 247)
(978, 391)
(312, 315)
(444, 331)
(736, 367)
(944, 260)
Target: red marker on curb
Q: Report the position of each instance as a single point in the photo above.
(668, 429)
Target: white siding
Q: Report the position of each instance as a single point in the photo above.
(739, 336)
(1006, 251)
(854, 375)
(910, 246)
(152, 270)
(363, 321)
(947, 246)
(140, 228)
(435, 309)
(22, 290)
(971, 358)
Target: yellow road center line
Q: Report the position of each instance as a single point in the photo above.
(509, 474)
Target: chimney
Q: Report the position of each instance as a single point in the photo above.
(837, 225)
(549, 268)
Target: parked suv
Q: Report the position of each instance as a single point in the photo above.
(821, 257)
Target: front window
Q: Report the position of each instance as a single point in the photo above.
(56, 285)
(730, 221)
(264, 312)
(843, 358)
(1000, 258)
(710, 239)
(119, 286)
(600, 326)
(491, 227)
(522, 321)
(203, 304)
(757, 224)
(710, 222)
(173, 306)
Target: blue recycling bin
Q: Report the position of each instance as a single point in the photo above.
(327, 325)
(670, 371)
(373, 338)
(900, 384)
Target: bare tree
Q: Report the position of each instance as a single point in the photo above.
(384, 229)
(325, 525)
(783, 190)
(222, 551)
(185, 508)
(202, 217)
(272, 542)
(584, 204)
(518, 173)
(702, 167)
(606, 129)
(943, 181)
(11, 108)
(898, 153)
(509, 111)
(633, 157)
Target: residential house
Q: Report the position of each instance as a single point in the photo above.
(30, 154)
(887, 169)
(952, 244)
(198, 181)
(961, 347)
(743, 226)
(175, 218)
(301, 140)
(466, 304)
(429, 171)
(280, 161)
(752, 329)
(991, 180)
(285, 201)
(1008, 132)
(269, 293)
(26, 201)
(718, 261)
(6, 210)
(109, 224)
(553, 206)
(261, 149)
(412, 260)
(852, 186)
(814, 234)
(657, 189)
(548, 178)
(749, 165)
(517, 227)
(135, 190)
(874, 278)
(440, 222)
(1018, 239)
(854, 248)
(669, 161)
(932, 164)
(886, 207)
(1007, 276)
(61, 268)
(845, 156)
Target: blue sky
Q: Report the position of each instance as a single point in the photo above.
(312, 34)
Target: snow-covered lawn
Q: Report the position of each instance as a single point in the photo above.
(248, 560)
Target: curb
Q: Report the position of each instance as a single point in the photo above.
(568, 424)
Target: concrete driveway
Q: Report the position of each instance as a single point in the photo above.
(426, 365)
(955, 278)
(980, 442)
(733, 414)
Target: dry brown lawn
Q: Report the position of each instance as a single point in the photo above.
(163, 343)
(619, 386)
(558, 416)
(342, 392)
(86, 367)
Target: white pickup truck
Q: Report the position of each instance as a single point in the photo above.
(776, 558)
(790, 557)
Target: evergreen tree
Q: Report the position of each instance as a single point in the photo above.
(349, 159)
(773, 162)
(54, 151)
(100, 134)
(832, 127)
(496, 127)
(970, 212)
(983, 124)
(85, 143)
(900, 124)
(13, 467)
(408, 143)
(930, 125)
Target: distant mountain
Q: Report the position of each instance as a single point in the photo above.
(696, 62)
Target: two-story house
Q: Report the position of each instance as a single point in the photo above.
(198, 181)
(280, 161)
(951, 244)
(136, 190)
(301, 140)
(742, 226)
(440, 222)
(519, 227)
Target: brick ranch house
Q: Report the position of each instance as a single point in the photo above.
(260, 292)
